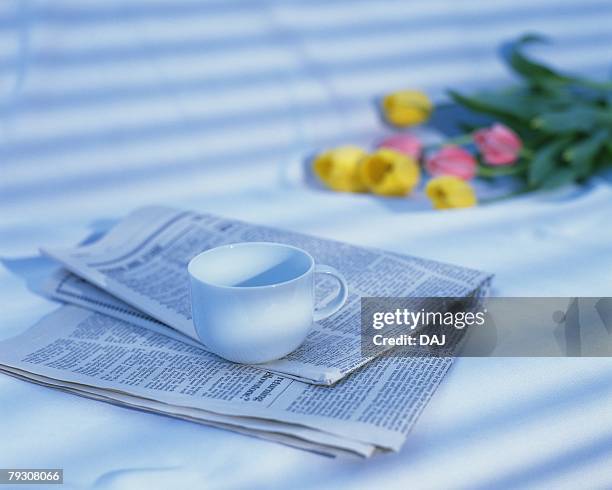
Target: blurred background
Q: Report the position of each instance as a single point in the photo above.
(214, 105)
(108, 105)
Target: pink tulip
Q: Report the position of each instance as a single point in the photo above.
(452, 160)
(498, 144)
(403, 143)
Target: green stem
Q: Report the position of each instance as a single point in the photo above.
(457, 140)
(500, 171)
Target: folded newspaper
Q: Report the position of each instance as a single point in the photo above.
(128, 338)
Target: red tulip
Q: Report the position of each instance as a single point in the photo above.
(498, 144)
(452, 160)
(403, 143)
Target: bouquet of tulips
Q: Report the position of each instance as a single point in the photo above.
(550, 130)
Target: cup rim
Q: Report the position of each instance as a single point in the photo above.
(246, 244)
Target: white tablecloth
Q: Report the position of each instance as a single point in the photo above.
(211, 105)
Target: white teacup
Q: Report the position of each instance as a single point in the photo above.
(254, 302)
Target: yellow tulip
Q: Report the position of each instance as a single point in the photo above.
(406, 107)
(390, 173)
(339, 168)
(448, 192)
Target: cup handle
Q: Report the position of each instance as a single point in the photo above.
(338, 302)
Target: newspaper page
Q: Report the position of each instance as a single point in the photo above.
(143, 261)
(376, 405)
(67, 287)
(289, 434)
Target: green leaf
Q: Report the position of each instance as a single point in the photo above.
(603, 159)
(582, 154)
(537, 73)
(574, 119)
(545, 161)
(560, 177)
(488, 104)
